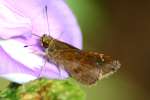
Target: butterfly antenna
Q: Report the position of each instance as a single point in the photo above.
(47, 19)
(30, 45)
(35, 34)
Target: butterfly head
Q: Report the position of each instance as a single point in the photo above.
(46, 40)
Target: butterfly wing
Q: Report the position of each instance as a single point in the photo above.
(82, 66)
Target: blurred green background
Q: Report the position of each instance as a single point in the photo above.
(120, 28)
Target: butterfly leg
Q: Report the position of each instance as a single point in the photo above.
(44, 58)
(59, 70)
(42, 67)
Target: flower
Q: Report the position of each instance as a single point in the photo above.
(18, 20)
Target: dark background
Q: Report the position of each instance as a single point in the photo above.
(120, 28)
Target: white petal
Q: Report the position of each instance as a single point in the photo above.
(19, 77)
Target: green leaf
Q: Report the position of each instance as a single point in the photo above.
(44, 89)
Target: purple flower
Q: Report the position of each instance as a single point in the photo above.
(18, 20)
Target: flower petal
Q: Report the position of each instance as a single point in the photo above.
(18, 60)
(9, 68)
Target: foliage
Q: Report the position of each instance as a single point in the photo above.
(43, 89)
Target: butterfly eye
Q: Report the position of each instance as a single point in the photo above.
(45, 44)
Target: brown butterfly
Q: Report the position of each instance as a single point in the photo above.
(85, 66)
